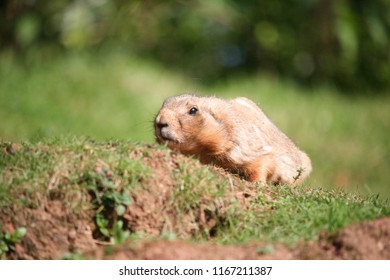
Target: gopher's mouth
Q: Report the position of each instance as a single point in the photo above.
(163, 136)
(170, 143)
(162, 139)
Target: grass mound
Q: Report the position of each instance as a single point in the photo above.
(74, 196)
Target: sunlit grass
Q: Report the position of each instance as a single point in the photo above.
(109, 176)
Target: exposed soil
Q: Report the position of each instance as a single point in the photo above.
(53, 230)
(51, 235)
(366, 241)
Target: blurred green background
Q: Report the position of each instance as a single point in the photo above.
(319, 69)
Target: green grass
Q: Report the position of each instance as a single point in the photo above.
(302, 214)
(115, 96)
(110, 97)
(106, 177)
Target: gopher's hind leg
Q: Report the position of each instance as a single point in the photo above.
(263, 170)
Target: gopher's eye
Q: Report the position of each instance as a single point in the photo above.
(193, 111)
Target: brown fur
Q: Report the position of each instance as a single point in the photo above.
(234, 134)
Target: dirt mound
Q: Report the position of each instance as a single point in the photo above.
(161, 204)
(368, 240)
(170, 250)
(173, 197)
(52, 233)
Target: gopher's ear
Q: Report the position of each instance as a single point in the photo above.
(218, 115)
(208, 109)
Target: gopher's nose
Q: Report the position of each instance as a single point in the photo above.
(161, 121)
(161, 125)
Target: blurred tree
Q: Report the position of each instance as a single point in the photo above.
(344, 42)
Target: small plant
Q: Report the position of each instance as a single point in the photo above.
(8, 239)
(299, 171)
(116, 233)
(110, 201)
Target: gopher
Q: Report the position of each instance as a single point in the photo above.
(234, 134)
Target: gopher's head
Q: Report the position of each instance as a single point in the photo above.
(189, 124)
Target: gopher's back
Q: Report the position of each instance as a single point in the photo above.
(268, 153)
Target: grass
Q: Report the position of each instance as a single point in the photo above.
(112, 97)
(302, 214)
(107, 178)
